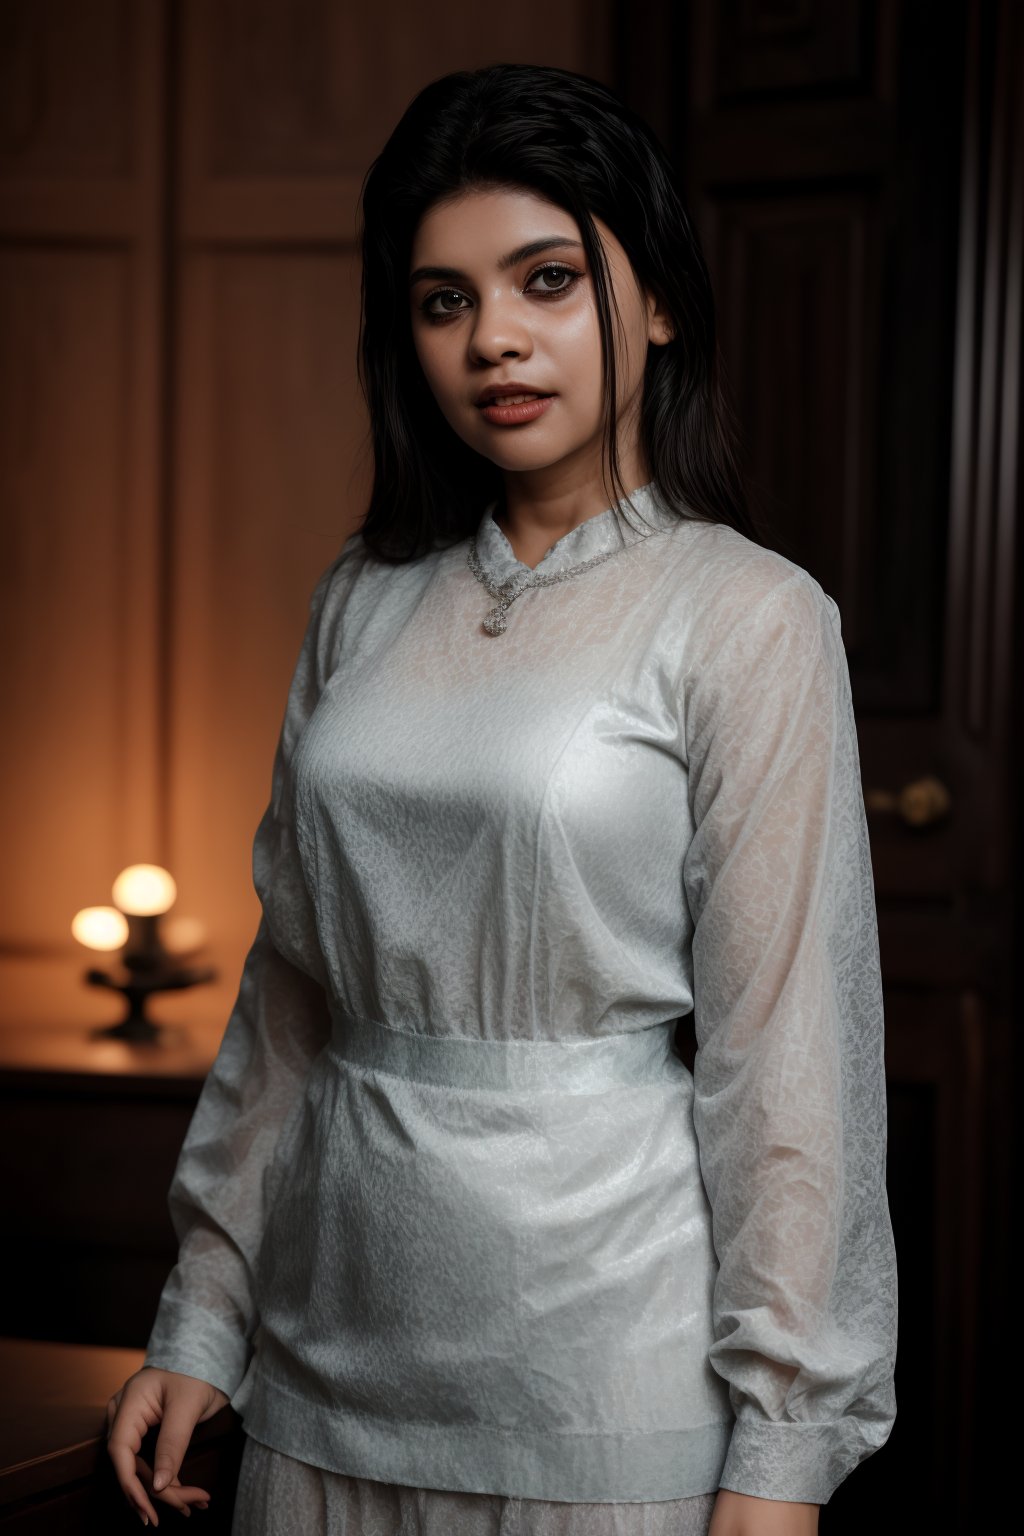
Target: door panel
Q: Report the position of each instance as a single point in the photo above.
(856, 174)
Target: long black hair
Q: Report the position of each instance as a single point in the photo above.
(571, 140)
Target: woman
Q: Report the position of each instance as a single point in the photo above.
(567, 754)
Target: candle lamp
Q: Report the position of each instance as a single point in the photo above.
(148, 947)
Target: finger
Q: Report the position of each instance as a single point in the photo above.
(176, 1428)
(197, 1497)
(176, 1493)
(171, 1495)
(132, 1420)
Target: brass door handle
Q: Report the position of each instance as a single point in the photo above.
(918, 803)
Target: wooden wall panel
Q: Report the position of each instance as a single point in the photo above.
(66, 84)
(62, 632)
(801, 274)
(284, 105)
(801, 45)
(81, 279)
(270, 423)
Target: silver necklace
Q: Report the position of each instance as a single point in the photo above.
(507, 591)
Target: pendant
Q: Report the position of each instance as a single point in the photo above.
(495, 623)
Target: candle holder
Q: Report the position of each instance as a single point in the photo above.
(131, 931)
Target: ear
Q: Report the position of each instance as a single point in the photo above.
(660, 327)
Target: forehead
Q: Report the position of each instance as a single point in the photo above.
(488, 222)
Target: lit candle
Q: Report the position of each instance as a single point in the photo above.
(100, 927)
(143, 892)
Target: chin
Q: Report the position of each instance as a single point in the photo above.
(524, 456)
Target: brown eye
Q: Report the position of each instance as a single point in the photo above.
(568, 273)
(441, 293)
(565, 277)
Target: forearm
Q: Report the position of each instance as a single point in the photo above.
(740, 1514)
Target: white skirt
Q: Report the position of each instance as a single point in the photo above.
(281, 1496)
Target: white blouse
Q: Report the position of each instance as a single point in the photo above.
(452, 1211)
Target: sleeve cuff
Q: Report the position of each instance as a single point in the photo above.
(198, 1343)
(801, 1462)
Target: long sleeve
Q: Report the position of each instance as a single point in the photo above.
(222, 1184)
(789, 1100)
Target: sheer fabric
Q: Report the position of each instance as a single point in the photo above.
(280, 1496)
(452, 1215)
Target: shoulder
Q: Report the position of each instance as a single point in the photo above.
(340, 573)
(360, 598)
(357, 572)
(348, 585)
(329, 601)
(761, 636)
(735, 588)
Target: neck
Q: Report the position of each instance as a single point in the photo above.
(533, 516)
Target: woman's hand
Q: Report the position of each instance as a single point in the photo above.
(740, 1514)
(177, 1403)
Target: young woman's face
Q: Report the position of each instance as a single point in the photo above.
(498, 314)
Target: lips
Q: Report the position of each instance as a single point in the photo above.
(498, 415)
(510, 394)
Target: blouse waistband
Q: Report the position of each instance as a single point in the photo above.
(579, 1065)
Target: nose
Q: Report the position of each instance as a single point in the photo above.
(499, 329)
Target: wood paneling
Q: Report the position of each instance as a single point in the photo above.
(799, 274)
(62, 320)
(766, 47)
(284, 106)
(270, 428)
(81, 286)
(67, 78)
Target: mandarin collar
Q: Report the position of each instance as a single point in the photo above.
(614, 528)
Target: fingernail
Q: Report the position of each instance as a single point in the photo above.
(143, 1518)
(160, 1479)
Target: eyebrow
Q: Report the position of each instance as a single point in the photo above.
(533, 248)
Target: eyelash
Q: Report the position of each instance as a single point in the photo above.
(552, 293)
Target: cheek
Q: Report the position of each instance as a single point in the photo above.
(438, 368)
(577, 361)
(426, 354)
(442, 371)
(580, 332)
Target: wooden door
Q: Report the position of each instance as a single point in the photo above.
(856, 173)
